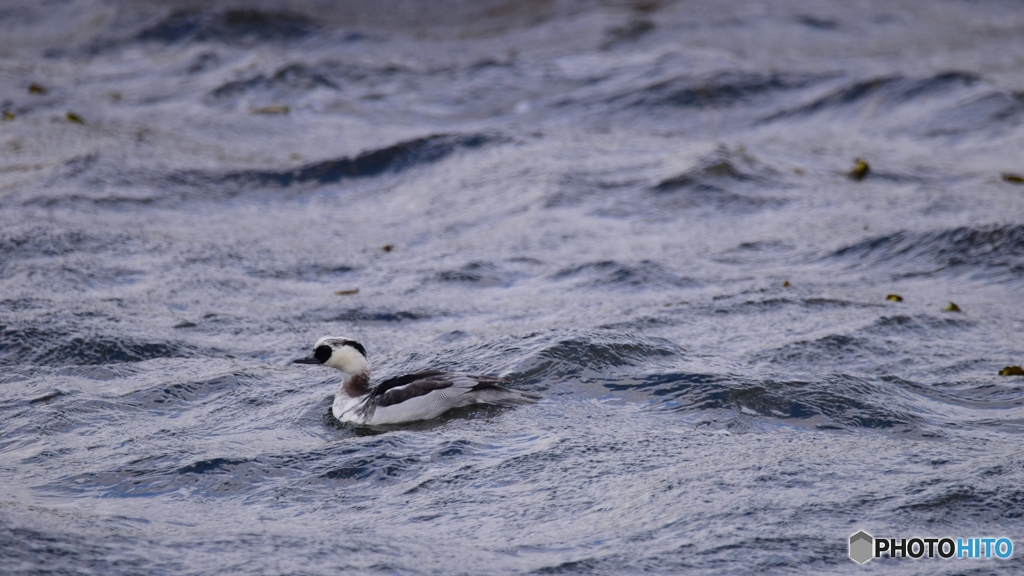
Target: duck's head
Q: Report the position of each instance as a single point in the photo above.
(339, 352)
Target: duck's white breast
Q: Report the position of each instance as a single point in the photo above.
(345, 408)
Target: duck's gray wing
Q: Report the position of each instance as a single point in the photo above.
(476, 389)
(397, 390)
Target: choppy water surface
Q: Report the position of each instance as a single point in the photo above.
(640, 211)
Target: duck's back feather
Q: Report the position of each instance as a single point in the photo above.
(402, 388)
(425, 395)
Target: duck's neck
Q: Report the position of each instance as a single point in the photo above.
(356, 385)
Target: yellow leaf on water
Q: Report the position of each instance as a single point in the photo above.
(1012, 371)
(72, 117)
(272, 109)
(347, 292)
(1013, 178)
(894, 298)
(860, 169)
(952, 308)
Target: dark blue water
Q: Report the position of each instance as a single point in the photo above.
(641, 211)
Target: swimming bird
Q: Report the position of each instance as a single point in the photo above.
(418, 396)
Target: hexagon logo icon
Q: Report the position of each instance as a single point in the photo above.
(861, 545)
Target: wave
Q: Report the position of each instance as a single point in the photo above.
(291, 78)
(305, 271)
(639, 368)
(609, 273)
(163, 396)
(563, 356)
(948, 103)
(231, 26)
(481, 274)
(365, 315)
(724, 180)
(575, 188)
(716, 169)
(103, 185)
(921, 324)
(375, 460)
(991, 109)
(725, 89)
(834, 349)
(982, 493)
(22, 242)
(895, 89)
(881, 347)
(843, 401)
(28, 345)
(748, 305)
(394, 158)
(995, 251)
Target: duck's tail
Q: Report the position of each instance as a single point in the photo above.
(492, 391)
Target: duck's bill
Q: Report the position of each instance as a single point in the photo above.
(306, 360)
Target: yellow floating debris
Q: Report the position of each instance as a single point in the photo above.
(8, 115)
(272, 109)
(786, 284)
(894, 298)
(1013, 178)
(347, 292)
(72, 117)
(1012, 371)
(387, 247)
(952, 308)
(860, 169)
(34, 88)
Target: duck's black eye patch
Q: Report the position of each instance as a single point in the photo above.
(322, 353)
(357, 346)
